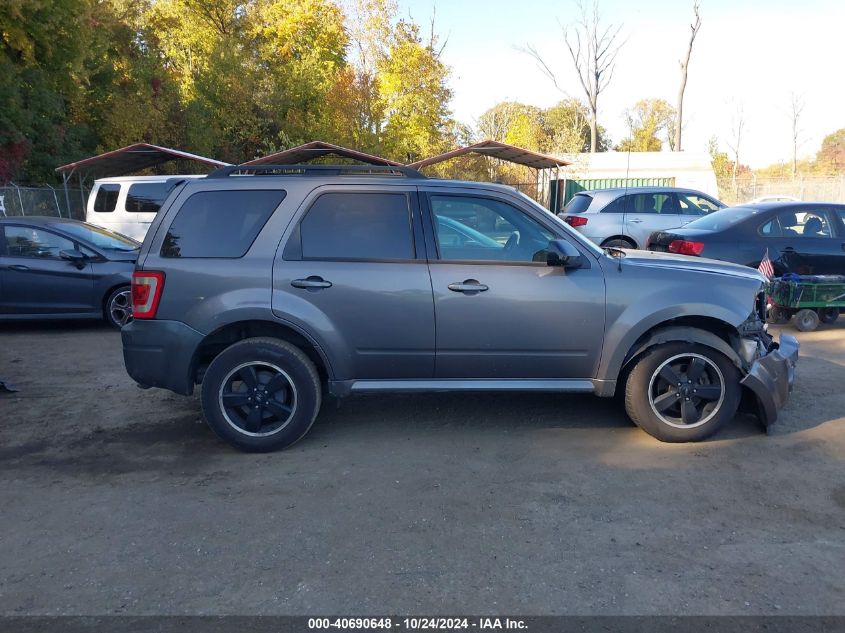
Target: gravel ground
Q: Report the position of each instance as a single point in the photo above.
(117, 500)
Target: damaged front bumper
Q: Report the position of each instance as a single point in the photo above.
(770, 377)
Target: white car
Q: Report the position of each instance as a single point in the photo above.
(128, 204)
(773, 198)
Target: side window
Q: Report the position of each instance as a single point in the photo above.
(617, 206)
(364, 226)
(22, 241)
(147, 197)
(770, 229)
(472, 228)
(106, 199)
(663, 203)
(696, 205)
(815, 223)
(219, 223)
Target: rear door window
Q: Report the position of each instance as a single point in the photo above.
(358, 226)
(147, 197)
(106, 199)
(579, 203)
(219, 223)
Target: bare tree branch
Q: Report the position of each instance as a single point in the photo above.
(694, 28)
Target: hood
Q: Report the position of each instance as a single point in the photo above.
(686, 262)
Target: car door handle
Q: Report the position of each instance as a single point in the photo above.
(469, 286)
(312, 282)
(789, 249)
(635, 220)
(20, 267)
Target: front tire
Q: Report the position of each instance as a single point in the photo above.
(261, 394)
(117, 309)
(678, 392)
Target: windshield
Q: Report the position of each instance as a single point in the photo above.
(719, 220)
(99, 237)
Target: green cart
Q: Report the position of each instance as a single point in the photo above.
(806, 299)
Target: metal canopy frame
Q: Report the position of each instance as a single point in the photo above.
(319, 149)
(123, 161)
(542, 164)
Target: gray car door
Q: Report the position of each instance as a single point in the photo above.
(649, 212)
(500, 310)
(36, 280)
(353, 272)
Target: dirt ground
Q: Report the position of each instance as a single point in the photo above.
(118, 500)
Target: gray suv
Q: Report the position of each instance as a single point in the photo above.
(626, 217)
(271, 286)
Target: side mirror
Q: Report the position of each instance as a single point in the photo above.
(562, 253)
(74, 256)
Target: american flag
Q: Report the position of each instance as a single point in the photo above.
(766, 267)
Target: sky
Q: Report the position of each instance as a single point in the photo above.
(749, 54)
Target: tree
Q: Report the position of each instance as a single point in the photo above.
(675, 143)
(647, 121)
(796, 108)
(593, 47)
(831, 156)
(735, 140)
(568, 126)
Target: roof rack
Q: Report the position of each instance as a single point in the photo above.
(314, 170)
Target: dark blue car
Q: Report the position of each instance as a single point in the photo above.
(54, 268)
(807, 238)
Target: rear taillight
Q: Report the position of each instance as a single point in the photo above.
(146, 293)
(685, 247)
(575, 220)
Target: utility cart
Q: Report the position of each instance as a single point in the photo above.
(807, 299)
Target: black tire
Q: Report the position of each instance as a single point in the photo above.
(806, 320)
(117, 308)
(257, 420)
(619, 242)
(828, 315)
(647, 384)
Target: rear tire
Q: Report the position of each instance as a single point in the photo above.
(619, 243)
(261, 394)
(679, 392)
(806, 320)
(828, 315)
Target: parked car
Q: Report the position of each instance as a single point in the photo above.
(624, 218)
(773, 198)
(806, 238)
(127, 204)
(271, 289)
(54, 268)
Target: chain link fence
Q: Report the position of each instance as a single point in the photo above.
(809, 189)
(16, 200)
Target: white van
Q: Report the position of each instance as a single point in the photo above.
(128, 204)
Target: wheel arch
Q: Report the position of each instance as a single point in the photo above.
(226, 335)
(110, 289)
(626, 238)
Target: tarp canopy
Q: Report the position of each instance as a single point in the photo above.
(131, 159)
(502, 151)
(318, 149)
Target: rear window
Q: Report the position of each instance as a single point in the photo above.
(147, 197)
(719, 220)
(578, 204)
(219, 223)
(368, 226)
(106, 199)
